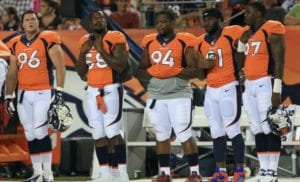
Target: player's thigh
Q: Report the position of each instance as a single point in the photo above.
(264, 98)
(180, 113)
(112, 118)
(159, 118)
(230, 109)
(25, 112)
(250, 107)
(213, 115)
(40, 108)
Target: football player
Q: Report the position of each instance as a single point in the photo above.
(4, 55)
(261, 52)
(222, 103)
(168, 62)
(103, 58)
(34, 53)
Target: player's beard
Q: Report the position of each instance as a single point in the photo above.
(100, 31)
(214, 29)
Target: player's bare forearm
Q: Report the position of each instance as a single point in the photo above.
(142, 75)
(239, 58)
(191, 70)
(188, 73)
(12, 76)
(81, 67)
(57, 57)
(278, 53)
(118, 60)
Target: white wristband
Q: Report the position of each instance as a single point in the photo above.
(10, 96)
(241, 47)
(277, 85)
(59, 89)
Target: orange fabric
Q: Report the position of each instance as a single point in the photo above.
(166, 60)
(4, 50)
(34, 72)
(99, 73)
(101, 104)
(223, 71)
(257, 49)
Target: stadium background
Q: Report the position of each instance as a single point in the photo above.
(66, 162)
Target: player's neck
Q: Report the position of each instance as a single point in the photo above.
(31, 35)
(168, 36)
(256, 26)
(99, 34)
(216, 34)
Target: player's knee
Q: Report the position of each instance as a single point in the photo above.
(264, 103)
(216, 132)
(41, 132)
(111, 133)
(265, 127)
(184, 136)
(97, 133)
(233, 131)
(29, 134)
(162, 136)
(255, 129)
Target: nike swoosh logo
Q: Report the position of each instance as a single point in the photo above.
(261, 86)
(227, 90)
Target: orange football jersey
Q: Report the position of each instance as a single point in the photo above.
(4, 50)
(224, 70)
(258, 61)
(35, 67)
(167, 58)
(99, 73)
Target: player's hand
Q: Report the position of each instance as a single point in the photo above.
(204, 63)
(86, 46)
(246, 35)
(58, 97)
(9, 103)
(276, 100)
(98, 44)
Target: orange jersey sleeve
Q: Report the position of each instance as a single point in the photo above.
(147, 39)
(51, 37)
(235, 32)
(82, 40)
(112, 38)
(274, 27)
(4, 50)
(12, 43)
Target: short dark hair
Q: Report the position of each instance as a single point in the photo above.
(28, 12)
(259, 7)
(96, 11)
(212, 12)
(168, 12)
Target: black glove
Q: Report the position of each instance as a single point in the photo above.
(9, 105)
(58, 97)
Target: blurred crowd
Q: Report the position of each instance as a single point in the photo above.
(141, 13)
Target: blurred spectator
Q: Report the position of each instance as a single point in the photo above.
(124, 16)
(293, 16)
(107, 6)
(287, 5)
(20, 5)
(237, 8)
(10, 19)
(71, 24)
(274, 10)
(50, 15)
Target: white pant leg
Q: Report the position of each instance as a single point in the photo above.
(213, 114)
(41, 103)
(159, 118)
(180, 114)
(94, 115)
(113, 98)
(25, 111)
(230, 108)
(263, 93)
